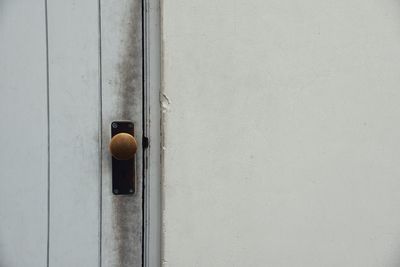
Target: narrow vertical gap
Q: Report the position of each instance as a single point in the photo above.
(100, 136)
(144, 134)
(48, 132)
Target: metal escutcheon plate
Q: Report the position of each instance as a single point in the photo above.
(123, 171)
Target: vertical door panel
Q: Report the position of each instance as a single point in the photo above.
(281, 133)
(55, 136)
(73, 28)
(121, 42)
(23, 137)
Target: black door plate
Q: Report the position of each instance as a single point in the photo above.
(123, 171)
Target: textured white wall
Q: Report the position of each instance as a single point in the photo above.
(281, 133)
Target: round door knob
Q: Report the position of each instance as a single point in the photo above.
(123, 146)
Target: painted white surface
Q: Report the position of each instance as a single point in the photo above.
(74, 98)
(121, 50)
(56, 206)
(281, 133)
(23, 137)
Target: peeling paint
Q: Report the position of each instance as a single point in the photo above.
(166, 98)
(165, 103)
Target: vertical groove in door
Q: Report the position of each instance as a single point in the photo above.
(48, 133)
(144, 134)
(100, 133)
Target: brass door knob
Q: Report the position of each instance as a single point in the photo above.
(123, 146)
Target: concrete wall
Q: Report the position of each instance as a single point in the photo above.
(281, 133)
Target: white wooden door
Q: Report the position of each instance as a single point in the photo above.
(67, 70)
(281, 133)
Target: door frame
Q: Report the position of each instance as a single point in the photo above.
(152, 130)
